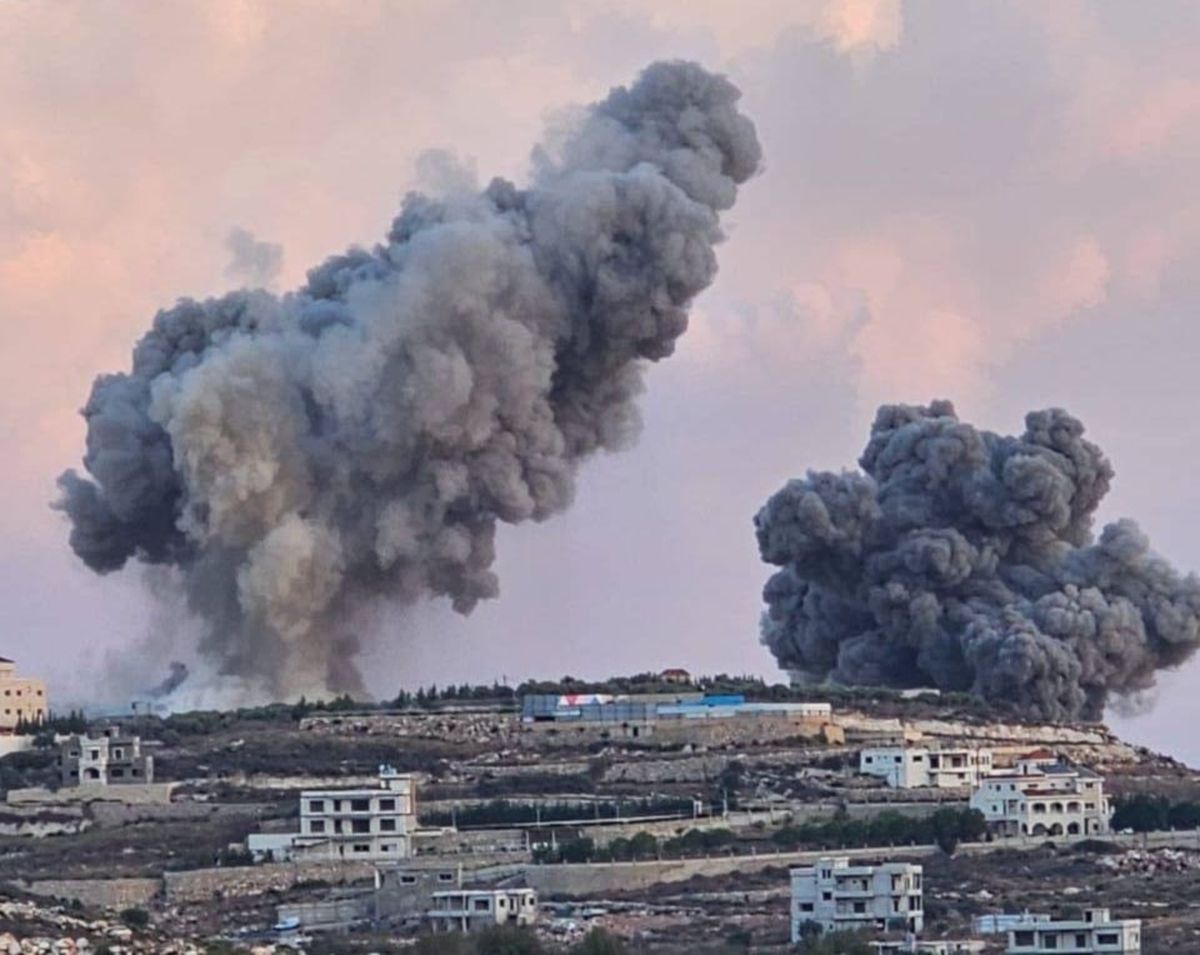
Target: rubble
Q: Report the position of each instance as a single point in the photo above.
(1149, 861)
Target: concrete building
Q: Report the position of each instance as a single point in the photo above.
(110, 759)
(1042, 798)
(468, 910)
(840, 897)
(22, 700)
(673, 718)
(941, 946)
(1097, 933)
(676, 675)
(914, 767)
(364, 824)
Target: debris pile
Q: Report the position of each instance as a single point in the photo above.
(1149, 861)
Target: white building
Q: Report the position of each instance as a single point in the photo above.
(373, 823)
(468, 910)
(912, 767)
(1095, 934)
(839, 897)
(941, 946)
(1040, 798)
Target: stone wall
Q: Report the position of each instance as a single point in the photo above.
(131, 793)
(111, 814)
(493, 727)
(202, 885)
(39, 821)
(113, 894)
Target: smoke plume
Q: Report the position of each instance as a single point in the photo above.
(173, 680)
(251, 260)
(361, 437)
(965, 560)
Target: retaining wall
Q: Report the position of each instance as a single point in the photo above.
(114, 894)
(201, 885)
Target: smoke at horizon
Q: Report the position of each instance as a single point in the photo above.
(295, 456)
(965, 560)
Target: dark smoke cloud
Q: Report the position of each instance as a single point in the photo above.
(362, 436)
(173, 680)
(965, 560)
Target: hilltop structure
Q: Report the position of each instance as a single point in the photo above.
(913, 767)
(1043, 796)
(111, 758)
(838, 897)
(22, 699)
(375, 823)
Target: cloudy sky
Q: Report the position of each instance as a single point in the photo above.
(993, 202)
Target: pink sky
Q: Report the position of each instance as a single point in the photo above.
(991, 202)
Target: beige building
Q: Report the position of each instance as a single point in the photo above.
(22, 700)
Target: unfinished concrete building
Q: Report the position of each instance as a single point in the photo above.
(110, 759)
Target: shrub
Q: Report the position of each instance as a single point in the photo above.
(135, 918)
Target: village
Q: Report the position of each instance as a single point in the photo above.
(666, 810)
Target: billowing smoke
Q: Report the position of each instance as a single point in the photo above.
(173, 680)
(965, 560)
(251, 260)
(362, 436)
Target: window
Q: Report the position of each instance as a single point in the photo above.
(1106, 938)
(826, 896)
(360, 825)
(387, 825)
(1081, 939)
(806, 906)
(387, 805)
(316, 805)
(317, 825)
(117, 773)
(445, 876)
(361, 847)
(118, 754)
(1023, 938)
(408, 880)
(860, 908)
(1050, 940)
(95, 752)
(360, 805)
(482, 905)
(501, 903)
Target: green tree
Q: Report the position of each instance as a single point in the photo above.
(135, 918)
(599, 942)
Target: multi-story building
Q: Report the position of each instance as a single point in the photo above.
(913, 767)
(838, 896)
(1041, 798)
(918, 946)
(370, 824)
(468, 910)
(110, 759)
(1097, 933)
(22, 700)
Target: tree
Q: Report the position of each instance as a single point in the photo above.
(135, 918)
(643, 846)
(507, 940)
(599, 942)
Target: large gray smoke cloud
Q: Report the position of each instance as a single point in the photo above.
(362, 436)
(965, 560)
